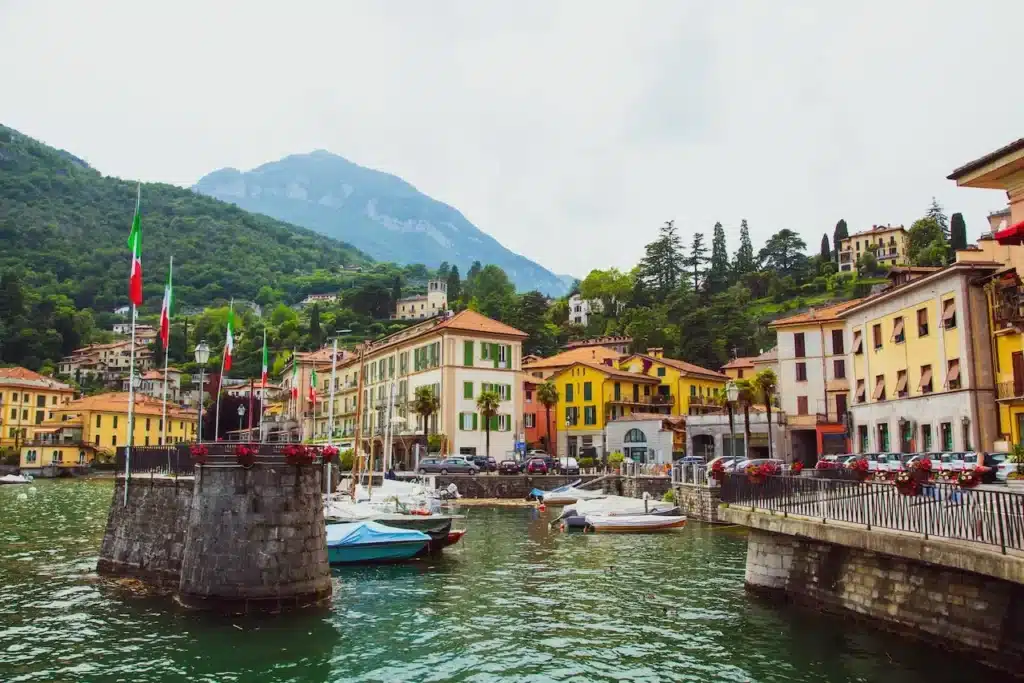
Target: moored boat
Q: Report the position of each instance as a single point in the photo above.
(565, 495)
(367, 541)
(15, 479)
(634, 523)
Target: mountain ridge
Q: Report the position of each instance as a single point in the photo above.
(378, 212)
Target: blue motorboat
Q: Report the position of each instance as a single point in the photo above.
(358, 542)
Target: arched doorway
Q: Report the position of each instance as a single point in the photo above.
(634, 445)
(703, 446)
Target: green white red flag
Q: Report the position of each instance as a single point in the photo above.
(229, 338)
(165, 309)
(312, 387)
(295, 376)
(264, 374)
(135, 245)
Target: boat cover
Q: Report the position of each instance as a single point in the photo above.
(370, 533)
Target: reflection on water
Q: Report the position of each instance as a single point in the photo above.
(513, 602)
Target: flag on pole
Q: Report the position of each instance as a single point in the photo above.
(229, 338)
(312, 387)
(135, 244)
(295, 376)
(264, 379)
(165, 309)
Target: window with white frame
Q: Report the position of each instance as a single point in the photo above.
(529, 420)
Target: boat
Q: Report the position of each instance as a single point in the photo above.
(15, 479)
(359, 542)
(436, 545)
(564, 495)
(634, 523)
(580, 521)
(617, 505)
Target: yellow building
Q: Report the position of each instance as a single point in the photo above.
(921, 364)
(739, 368)
(27, 399)
(888, 242)
(591, 394)
(689, 389)
(1005, 294)
(81, 428)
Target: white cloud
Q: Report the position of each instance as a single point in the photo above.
(568, 130)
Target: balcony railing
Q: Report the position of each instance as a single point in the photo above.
(1008, 391)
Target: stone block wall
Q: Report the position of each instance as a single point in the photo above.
(636, 487)
(698, 502)
(146, 538)
(945, 606)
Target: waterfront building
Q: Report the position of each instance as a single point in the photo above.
(433, 302)
(684, 388)
(813, 384)
(536, 434)
(302, 417)
(739, 368)
(615, 343)
(27, 399)
(889, 243)
(648, 438)
(921, 362)
(1002, 169)
(152, 384)
(591, 394)
(79, 429)
(709, 436)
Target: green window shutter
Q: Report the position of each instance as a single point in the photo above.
(508, 355)
(467, 353)
(493, 423)
(467, 390)
(483, 351)
(588, 392)
(474, 422)
(568, 393)
(494, 354)
(508, 392)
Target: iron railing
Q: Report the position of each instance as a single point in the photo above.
(694, 474)
(985, 515)
(175, 459)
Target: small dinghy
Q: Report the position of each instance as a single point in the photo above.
(15, 479)
(634, 523)
(580, 521)
(371, 542)
(565, 495)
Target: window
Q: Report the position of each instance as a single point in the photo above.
(147, 440)
(467, 390)
(901, 384)
(572, 415)
(965, 434)
(838, 343)
(801, 405)
(883, 437)
(879, 394)
(861, 391)
(40, 401)
(115, 422)
(926, 379)
(618, 391)
(14, 414)
(504, 423)
(529, 396)
(467, 353)
(739, 373)
(96, 440)
(876, 336)
(801, 372)
(799, 348)
(946, 431)
(590, 415)
(634, 436)
(953, 374)
(39, 416)
(24, 414)
(693, 390)
(840, 407)
(113, 439)
(568, 393)
(467, 421)
(949, 313)
(588, 391)
(147, 424)
(862, 437)
(503, 355)
(529, 420)
(839, 369)
(403, 363)
(926, 438)
(485, 351)
(858, 342)
(922, 322)
(897, 330)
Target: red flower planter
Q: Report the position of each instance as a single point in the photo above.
(245, 455)
(199, 454)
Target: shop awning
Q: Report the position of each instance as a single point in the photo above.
(1011, 235)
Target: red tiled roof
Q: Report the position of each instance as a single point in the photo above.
(15, 375)
(816, 315)
(682, 365)
(471, 321)
(615, 373)
(595, 354)
(981, 161)
(741, 362)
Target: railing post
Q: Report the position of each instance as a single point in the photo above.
(999, 514)
(867, 504)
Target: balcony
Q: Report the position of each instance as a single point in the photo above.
(657, 400)
(846, 256)
(1010, 391)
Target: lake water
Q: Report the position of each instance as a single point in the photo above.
(513, 602)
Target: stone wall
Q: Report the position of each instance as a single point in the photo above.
(946, 606)
(256, 540)
(514, 486)
(146, 538)
(698, 502)
(636, 487)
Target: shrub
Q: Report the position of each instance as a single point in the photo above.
(669, 497)
(586, 462)
(615, 459)
(346, 458)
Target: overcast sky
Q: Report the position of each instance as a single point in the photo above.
(567, 130)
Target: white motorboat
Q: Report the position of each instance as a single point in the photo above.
(570, 495)
(634, 523)
(616, 505)
(15, 479)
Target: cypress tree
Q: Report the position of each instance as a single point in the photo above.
(697, 258)
(826, 255)
(958, 231)
(840, 234)
(743, 262)
(718, 274)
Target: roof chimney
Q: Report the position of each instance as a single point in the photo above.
(656, 352)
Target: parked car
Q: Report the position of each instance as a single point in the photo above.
(508, 467)
(726, 460)
(567, 466)
(993, 462)
(742, 465)
(536, 466)
(457, 465)
(692, 460)
(485, 463)
(429, 465)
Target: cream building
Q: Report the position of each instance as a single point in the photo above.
(421, 306)
(888, 242)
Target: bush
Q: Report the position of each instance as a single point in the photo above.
(434, 442)
(586, 462)
(345, 459)
(9, 457)
(615, 459)
(669, 497)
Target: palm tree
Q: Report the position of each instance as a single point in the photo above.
(425, 403)
(765, 383)
(488, 403)
(745, 399)
(547, 395)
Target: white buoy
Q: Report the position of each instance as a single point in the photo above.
(22, 496)
(32, 490)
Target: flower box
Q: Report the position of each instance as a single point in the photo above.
(245, 455)
(199, 454)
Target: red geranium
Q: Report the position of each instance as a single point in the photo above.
(826, 465)
(329, 453)
(298, 454)
(968, 479)
(199, 453)
(769, 468)
(717, 470)
(905, 483)
(245, 454)
(797, 467)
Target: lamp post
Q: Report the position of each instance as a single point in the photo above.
(565, 467)
(241, 415)
(202, 356)
(732, 394)
(330, 409)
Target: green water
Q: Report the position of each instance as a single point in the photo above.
(513, 602)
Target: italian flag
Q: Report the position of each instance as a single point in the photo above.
(264, 376)
(229, 338)
(165, 309)
(135, 245)
(312, 387)
(295, 376)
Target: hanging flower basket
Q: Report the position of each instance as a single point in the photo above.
(245, 455)
(906, 484)
(299, 454)
(883, 475)
(717, 471)
(860, 468)
(796, 468)
(329, 454)
(947, 476)
(826, 465)
(921, 470)
(756, 474)
(199, 454)
(968, 479)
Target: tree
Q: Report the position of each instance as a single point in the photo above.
(826, 253)
(743, 263)
(957, 232)
(718, 273)
(838, 235)
(425, 403)
(662, 265)
(547, 396)
(746, 399)
(396, 291)
(611, 287)
(783, 253)
(443, 270)
(696, 260)
(765, 383)
(936, 212)
(488, 403)
(454, 285)
(927, 244)
(314, 324)
(470, 284)
(867, 264)
(493, 292)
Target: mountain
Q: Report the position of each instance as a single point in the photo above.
(379, 213)
(64, 226)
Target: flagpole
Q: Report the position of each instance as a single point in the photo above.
(263, 381)
(220, 385)
(131, 363)
(330, 410)
(167, 355)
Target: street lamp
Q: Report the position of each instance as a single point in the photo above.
(565, 467)
(732, 394)
(202, 357)
(241, 414)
